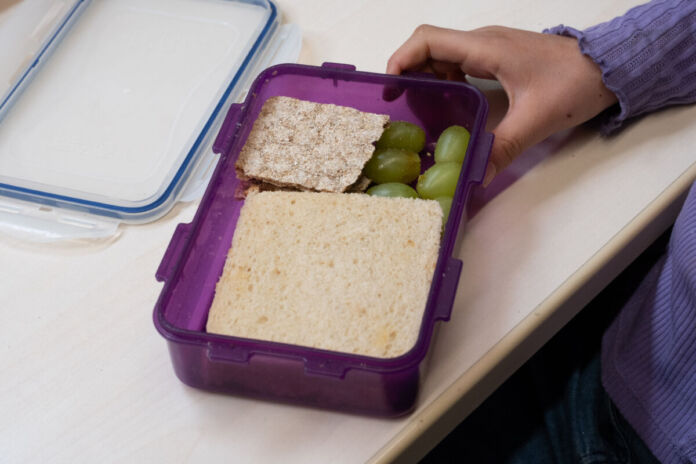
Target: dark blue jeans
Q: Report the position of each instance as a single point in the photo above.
(554, 409)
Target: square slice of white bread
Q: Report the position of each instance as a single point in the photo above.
(343, 272)
(309, 146)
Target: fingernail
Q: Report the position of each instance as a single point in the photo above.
(491, 171)
(391, 93)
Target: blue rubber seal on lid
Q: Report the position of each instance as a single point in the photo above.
(176, 184)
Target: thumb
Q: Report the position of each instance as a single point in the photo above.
(511, 136)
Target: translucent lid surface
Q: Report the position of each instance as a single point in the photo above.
(25, 27)
(123, 97)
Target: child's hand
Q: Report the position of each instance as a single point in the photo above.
(550, 84)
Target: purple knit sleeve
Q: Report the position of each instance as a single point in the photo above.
(647, 57)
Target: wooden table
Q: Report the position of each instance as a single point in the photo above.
(86, 378)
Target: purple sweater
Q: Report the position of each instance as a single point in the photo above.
(648, 59)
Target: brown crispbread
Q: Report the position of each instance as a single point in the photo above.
(309, 146)
(360, 185)
(343, 272)
(250, 186)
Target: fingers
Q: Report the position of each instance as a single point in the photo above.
(430, 44)
(488, 53)
(415, 52)
(444, 70)
(550, 84)
(518, 130)
(525, 124)
(507, 144)
(502, 154)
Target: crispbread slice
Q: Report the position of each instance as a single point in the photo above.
(249, 186)
(360, 185)
(309, 146)
(343, 272)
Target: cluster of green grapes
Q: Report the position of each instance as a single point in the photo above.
(396, 163)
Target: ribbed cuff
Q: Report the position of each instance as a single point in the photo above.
(646, 57)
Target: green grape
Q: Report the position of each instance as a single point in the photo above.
(392, 165)
(402, 134)
(446, 205)
(440, 180)
(392, 189)
(451, 145)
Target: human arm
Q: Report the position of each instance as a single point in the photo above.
(645, 59)
(550, 84)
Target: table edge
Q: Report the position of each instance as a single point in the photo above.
(432, 423)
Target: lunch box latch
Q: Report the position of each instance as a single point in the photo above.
(341, 66)
(226, 353)
(325, 368)
(482, 151)
(174, 249)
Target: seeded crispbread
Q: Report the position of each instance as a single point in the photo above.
(343, 272)
(309, 146)
(360, 185)
(248, 186)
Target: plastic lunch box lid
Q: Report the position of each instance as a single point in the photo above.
(108, 109)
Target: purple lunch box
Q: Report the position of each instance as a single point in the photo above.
(196, 254)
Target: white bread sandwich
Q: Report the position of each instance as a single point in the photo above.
(342, 272)
(309, 146)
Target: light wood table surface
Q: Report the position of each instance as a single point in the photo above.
(85, 377)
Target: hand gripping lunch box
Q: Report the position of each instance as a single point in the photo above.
(197, 251)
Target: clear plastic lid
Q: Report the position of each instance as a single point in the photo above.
(108, 108)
